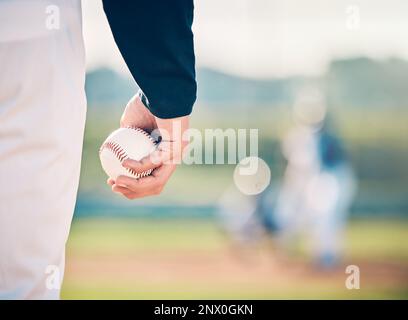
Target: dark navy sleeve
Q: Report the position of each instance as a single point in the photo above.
(156, 42)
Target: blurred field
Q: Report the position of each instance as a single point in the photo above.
(179, 259)
(186, 258)
(377, 145)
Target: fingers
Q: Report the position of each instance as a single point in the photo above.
(116, 187)
(121, 190)
(164, 155)
(140, 166)
(151, 185)
(135, 184)
(164, 172)
(150, 162)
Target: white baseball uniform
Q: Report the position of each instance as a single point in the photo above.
(42, 117)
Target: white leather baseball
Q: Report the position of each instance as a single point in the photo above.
(124, 143)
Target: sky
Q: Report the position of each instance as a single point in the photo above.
(273, 38)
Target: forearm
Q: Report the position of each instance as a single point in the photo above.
(156, 41)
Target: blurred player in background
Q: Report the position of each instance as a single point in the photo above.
(318, 184)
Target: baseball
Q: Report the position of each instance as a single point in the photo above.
(124, 143)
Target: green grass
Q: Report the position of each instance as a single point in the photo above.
(378, 239)
(177, 259)
(114, 236)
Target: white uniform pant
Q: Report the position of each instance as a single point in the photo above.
(42, 117)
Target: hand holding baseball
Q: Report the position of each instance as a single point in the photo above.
(162, 161)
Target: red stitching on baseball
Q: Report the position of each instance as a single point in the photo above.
(121, 154)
